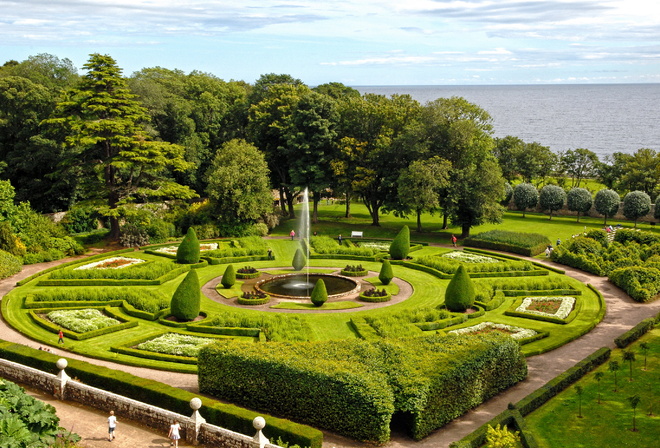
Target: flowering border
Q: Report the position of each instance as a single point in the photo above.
(567, 304)
(172, 249)
(518, 332)
(132, 261)
(467, 257)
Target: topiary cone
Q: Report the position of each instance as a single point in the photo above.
(186, 300)
(400, 244)
(460, 291)
(299, 260)
(386, 275)
(188, 251)
(319, 293)
(229, 277)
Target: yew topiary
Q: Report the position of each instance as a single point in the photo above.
(319, 293)
(460, 291)
(229, 277)
(400, 244)
(186, 300)
(299, 260)
(188, 251)
(386, 275)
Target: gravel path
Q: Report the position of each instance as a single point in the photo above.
(622, 314)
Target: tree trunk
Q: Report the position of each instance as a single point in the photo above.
(445, 219)
(315, 210)
(348, 206)
(419, 221)
(289, 203)
(465, 231)
(282, 200)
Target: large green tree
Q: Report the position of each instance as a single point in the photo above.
(578, 164)
(607, 203)
(552, 198)
(107, 143)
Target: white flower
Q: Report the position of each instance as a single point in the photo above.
(172, 249)
(567, 303)
(467, 257)
(127, 262)
(517, 332)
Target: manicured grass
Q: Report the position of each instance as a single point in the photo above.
(608, 424)
(341, 305)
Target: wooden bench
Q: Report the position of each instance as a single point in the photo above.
(356, 234)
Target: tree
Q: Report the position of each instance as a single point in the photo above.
(386, 275)
(599, 376)
(508, 195)
(299, 260)
(629, 355)
(185, 304)
(501, 437)
(612, 170)
(460, 294)
(636, 204)
(229, 277)
(45, 69)
(107, 143)
(579, 200)
(613, 367)
(642, 172)
(319, 293)
(579, 164)
(237, 183)
(536, 162)
(188, 250)
(420, 185)
(607, 203)
(634, 402)
(525, 196)
(507, 151)
(644, 347)
(579, 391)
(400, 244)
(552, 198)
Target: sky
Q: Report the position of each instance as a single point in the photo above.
(356, 42)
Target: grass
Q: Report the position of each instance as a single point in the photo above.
(341, 305)
(609, 423)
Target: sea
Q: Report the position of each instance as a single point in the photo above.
(604, 118)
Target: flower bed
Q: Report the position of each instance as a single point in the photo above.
(247, 272)
(354, 271)
(375, 296)
(556, 306)
(376, 245)
(175, 344)
(253, 298)
(82, 321)
(111, 263)
(171, 250)
(467, 257)
(489, 327)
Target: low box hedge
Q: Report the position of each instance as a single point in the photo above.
(375, 299)
(440, 324)
(253, 302)
(363, 329)
(54, 328)
(162, 395)
(555, 320)
(635, 333)
(226, 331)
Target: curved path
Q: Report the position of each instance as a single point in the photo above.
(622, 314)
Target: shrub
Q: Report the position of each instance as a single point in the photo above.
(319, 293)
(9, 242)
(9, 264)
(635, 333)
(299, 260)
(459, 295)
(525, 196)
(607, 203)
(522, 243)
(188, 251)
(186, 300)
(386, 274)
(579, 200)
(636, 204)
(229, 277)
(401, 244)
(80, 220)
(552, 198)
(639, 282)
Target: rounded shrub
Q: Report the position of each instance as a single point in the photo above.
(636, 204)
(229, 277)
(460, 291)
(607, 203)
(299, 260)
(401, 244)
(185, 304)
(525, 196)
(319, 293)
(386, 275)
(552, 197)
(188, 251)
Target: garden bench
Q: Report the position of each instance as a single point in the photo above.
(356, 234)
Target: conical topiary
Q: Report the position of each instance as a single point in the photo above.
(400, 244)
(319, 293)
(229, 277)
(460, 291)
(386, 275)
(186, 300)
(188, 251)
(299, 260)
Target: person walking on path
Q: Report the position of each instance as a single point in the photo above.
(174, 434)
(112, 424)
(339, 238)
(292, 234)
(453, 240)
(60, 337)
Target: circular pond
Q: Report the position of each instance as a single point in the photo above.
(300, 286)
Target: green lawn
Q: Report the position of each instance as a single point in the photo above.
(556, 424)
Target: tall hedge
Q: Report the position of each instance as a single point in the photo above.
(319, 293)
(460, 294)
(229, 277)
(354, 387)
(299, 260)
(386, 275)
(401, 244)
(188, 251)
(186, 300)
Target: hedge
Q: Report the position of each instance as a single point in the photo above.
(354, 387)
(635, 333)
(375, 299)
(555, 320)
(639, 282)
(9, 264)
(528, 244)
(142, 300)
(253, 302)
(363, 329)
(440, 324)
(54, 328)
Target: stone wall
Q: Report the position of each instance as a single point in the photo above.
(193, 429)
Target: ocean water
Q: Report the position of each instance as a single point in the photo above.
(604, 118)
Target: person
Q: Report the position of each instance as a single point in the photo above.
(339, 238)
(60, 337)
(174, 434)
(112, 424)
(292, 234)
(270, 253)
(547, 252)
(558, 241)
(453, 240)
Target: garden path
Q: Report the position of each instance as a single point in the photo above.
(622, 314)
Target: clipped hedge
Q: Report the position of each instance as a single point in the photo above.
(635, 333)
(186, 301)
(166, 277)
(363, 329)
(375, 299)
(528, 244)
(354, 387)
(440, 324)
(164, 396)
(142, 300)
(54, 328)
(253, 302)
(639, 282)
